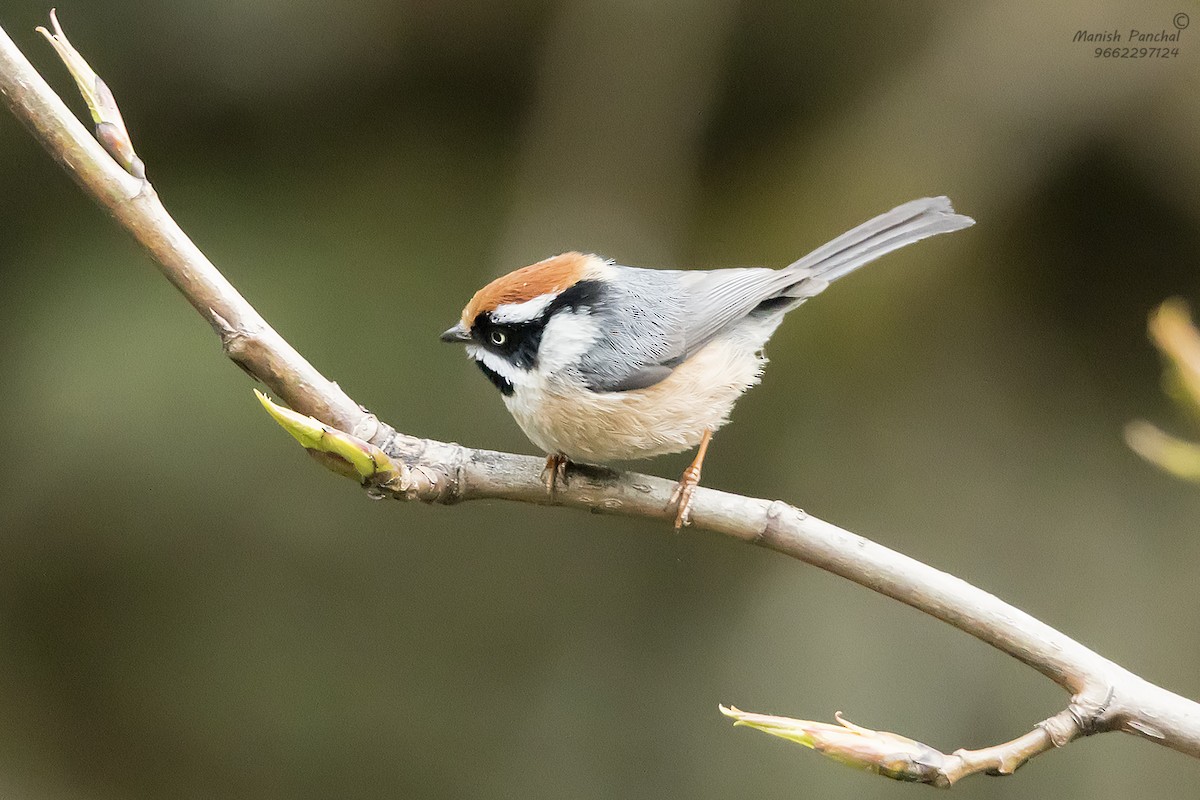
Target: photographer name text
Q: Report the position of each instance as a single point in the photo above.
(1134, 35)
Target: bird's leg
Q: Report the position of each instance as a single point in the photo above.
(681, 498)
(555, 471)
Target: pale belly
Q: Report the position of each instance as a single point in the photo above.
(668, 417)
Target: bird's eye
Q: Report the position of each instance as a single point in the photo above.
(498, 338)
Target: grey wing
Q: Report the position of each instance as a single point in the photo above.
(722, 297)
(654, 319)
(642, 321)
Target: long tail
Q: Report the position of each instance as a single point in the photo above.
(901, 226)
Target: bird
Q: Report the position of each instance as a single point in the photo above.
(599, 362)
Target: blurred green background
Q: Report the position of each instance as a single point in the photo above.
(190, 608)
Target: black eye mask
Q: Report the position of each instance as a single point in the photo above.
(516, 343)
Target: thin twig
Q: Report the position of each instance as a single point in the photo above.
(1105, 696)
(904, 759)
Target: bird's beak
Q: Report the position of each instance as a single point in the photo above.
(457, 334)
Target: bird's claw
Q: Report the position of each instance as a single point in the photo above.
(682, 496)
(554, 472)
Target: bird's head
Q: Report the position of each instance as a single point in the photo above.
(534, 321)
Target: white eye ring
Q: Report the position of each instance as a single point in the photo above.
(498, 338)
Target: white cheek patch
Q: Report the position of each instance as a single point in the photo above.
(495, 363)
(568, 335)
(515, 313)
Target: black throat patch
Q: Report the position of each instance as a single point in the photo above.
(499, 381)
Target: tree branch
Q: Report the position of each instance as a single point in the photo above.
(1104, 696)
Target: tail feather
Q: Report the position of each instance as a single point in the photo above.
(723, 297)
(897, 228)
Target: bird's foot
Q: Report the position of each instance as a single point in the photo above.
(681, 497)
(554, 472)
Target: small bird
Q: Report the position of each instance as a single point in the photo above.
(599, 362)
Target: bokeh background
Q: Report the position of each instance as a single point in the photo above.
(190, 608)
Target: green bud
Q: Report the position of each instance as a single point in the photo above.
(337, 450)
(888, 754)
(110, 128)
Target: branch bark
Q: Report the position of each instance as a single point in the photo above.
(1104, 696)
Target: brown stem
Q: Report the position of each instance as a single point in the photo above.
(1007, 758)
